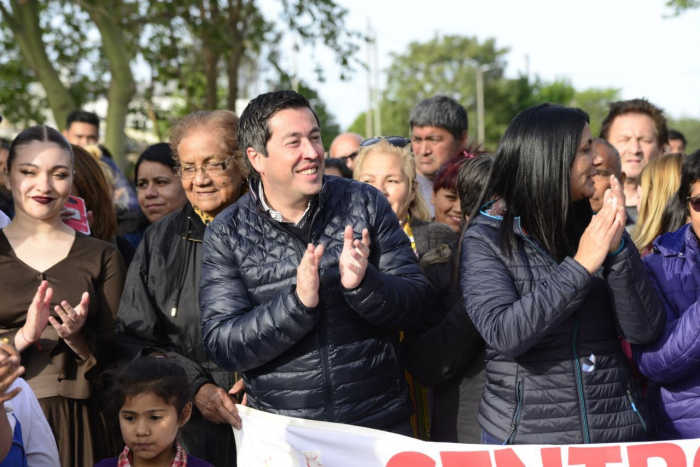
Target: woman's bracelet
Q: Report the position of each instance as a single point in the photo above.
(622, 245)
(21, 331)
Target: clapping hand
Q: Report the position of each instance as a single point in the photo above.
(354, 258)
(37, 317)
(308, 281)
(603, 235)
(72, 319)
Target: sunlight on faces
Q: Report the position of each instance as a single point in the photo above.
(149, 426)
(40, 180)
(211, 194)
(82, 134)
(634, 137)
(583, 171)
(292, 171)
(384, 172)
(433, 146)
(447, 208)
(159, 190)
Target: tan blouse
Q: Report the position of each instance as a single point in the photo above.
(92, 266)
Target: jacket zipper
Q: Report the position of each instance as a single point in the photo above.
(577, 363)
(516, 417)
(399, 373)
(579, 387)
(634, 408)
(301, 248)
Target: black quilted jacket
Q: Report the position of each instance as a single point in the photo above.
(337, 362)
(555, 370)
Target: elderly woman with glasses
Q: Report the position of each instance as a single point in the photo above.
(671, 363)
(159, 309)
(387, 164)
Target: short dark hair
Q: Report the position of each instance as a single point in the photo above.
(4, 144)
(339, 164)
(43, 134)
(675, 134)
(253, 129)
(160, 153)
(690, 173)
(154, 373)
(443, 112)
(471, 181)
(82, 116)
(640, 106)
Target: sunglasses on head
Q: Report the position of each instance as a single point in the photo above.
(398, 141)
(694, 203)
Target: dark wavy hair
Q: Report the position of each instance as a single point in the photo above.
(531, 175)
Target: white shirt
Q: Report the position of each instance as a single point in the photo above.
(4, 220)
(39, 443)
(426, 188)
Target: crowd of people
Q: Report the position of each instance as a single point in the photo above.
(545, 293)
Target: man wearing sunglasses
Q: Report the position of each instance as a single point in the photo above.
(306, 279)
(438, 133)
(345, 147)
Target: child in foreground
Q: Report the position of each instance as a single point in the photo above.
(153, 400)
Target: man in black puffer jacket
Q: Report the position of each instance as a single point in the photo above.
(307, 280)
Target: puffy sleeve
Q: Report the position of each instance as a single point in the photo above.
(510, 323)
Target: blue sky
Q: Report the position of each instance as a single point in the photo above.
(625, 44)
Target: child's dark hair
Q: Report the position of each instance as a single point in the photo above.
(154, 373)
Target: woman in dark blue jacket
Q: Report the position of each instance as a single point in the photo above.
(672, 362)
(550, 288)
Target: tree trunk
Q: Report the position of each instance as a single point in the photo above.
(211, 69)
(122, 86)
(234, 63)
(27, 31)
(236, 52)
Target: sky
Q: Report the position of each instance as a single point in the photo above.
(633, 45)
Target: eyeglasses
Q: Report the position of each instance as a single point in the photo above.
(212, 169)
(398, 141)
(694, 203)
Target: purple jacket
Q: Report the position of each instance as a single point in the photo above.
(672, 363)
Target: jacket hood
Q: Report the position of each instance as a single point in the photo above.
(676, 243)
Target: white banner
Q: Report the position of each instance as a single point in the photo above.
(269, 440)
